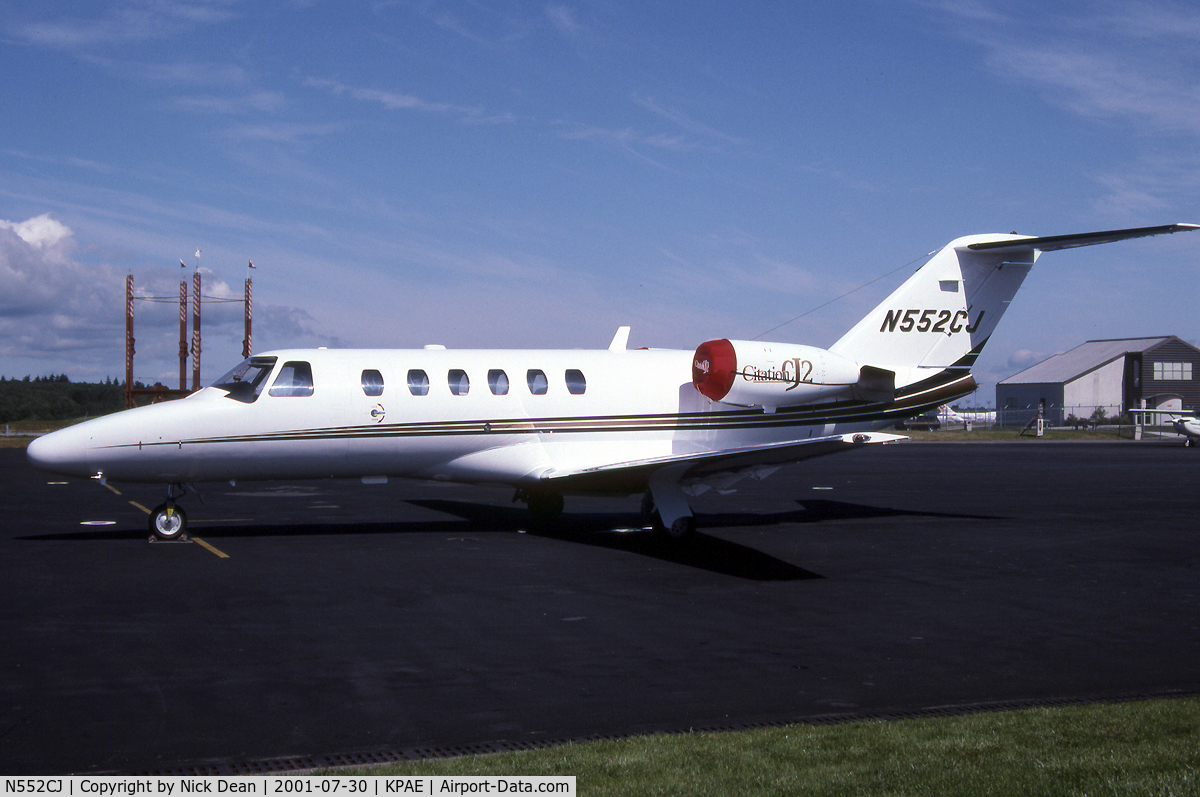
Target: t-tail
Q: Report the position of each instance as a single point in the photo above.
(930, 331)
(912, 353)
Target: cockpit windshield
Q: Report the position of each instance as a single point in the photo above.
(246, 381)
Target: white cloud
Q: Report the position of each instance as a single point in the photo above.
(1153, 20)
(41, 232)
(1128, 196)
(53, 309)
(392, 100)
(35, 265)
(563, 20)
(1136, 64)
(1106, 84)
(128, 21)
(61, 315)
(283, 132)
(254, 102)
(1021, 359)
(1128, 67)
(492, 26)
(174, 73)
(630, 138)
(682, 119)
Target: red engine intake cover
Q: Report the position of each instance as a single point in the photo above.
(713, 368)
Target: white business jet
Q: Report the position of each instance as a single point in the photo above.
(668, 424)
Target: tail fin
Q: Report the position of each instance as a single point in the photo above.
(941, 317)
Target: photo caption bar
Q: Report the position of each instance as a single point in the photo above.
(282, 785)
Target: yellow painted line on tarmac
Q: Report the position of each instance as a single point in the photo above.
(206, 546)
(114, 489)
(139, 506)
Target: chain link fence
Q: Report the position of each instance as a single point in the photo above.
(1087, 416)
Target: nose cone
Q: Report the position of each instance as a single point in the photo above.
(64, 452)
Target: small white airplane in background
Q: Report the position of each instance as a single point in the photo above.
(1189, 427)
(1186, 423)
(548, 423)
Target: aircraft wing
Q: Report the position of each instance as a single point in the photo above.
(1154, 416)
(633, 475)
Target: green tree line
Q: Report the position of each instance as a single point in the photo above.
(57, 398)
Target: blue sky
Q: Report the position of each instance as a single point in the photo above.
(483, 174)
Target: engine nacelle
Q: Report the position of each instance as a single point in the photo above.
(749, 373)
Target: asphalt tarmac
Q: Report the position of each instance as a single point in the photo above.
(329, 617)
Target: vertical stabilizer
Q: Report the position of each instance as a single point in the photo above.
(942, 315)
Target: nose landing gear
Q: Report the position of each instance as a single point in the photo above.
(168, 521)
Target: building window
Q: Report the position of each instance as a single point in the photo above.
(1172, 371)
(498, 382)
(295, 379)
(538, 383)
(576, 384)
(460, 385)
(418, 382)
(372, 383)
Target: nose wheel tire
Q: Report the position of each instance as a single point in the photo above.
(168, 522)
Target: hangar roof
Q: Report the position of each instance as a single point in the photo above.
(1082, 359)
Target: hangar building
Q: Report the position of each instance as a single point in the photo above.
(1114, 375)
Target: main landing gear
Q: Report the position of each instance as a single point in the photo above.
(168, 521)
(681, 528)
(664, 507)
(665, 503)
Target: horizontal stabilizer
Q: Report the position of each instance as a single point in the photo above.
(1053, 243)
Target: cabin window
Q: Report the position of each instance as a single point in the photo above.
(295, 379)
(460, 385)
(538, 383)
(576, 384)
(372, 383)
(245, 382)
(498, 382)
(418, 382)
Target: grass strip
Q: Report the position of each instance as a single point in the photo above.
(1138, 748)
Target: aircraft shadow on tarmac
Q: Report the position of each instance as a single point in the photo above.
(822, 511)
(703, 551)
(624, 532)
(612, 530)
